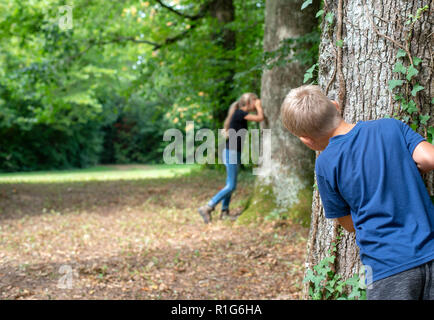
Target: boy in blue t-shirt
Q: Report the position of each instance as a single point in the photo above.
(368, 177)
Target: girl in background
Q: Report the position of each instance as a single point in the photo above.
(237, 118)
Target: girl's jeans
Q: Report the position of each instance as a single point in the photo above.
(232, 160)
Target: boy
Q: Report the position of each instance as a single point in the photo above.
(369, 180)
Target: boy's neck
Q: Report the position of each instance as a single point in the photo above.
(343, 128)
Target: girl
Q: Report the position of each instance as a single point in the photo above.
(235, 127)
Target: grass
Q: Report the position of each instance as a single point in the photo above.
(99, 173)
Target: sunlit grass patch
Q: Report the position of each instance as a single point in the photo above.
(99, 173)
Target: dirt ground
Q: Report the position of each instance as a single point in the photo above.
(141, 239)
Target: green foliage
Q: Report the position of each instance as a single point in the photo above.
(325, 284)
(119, 74)
(340, 43)
(411, 72)
(330, 17)
(395, 83)
(399, 68)
(310, 73)
(416, 88)
(306, 4)
(414, 18)
(408, 88)
(400, 54)
(44, 147)
(303, 49)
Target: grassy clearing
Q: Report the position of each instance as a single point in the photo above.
(99, 173)
(138, 237)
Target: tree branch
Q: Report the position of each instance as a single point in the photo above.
(202, 11)
(156, 45)
(167, 41)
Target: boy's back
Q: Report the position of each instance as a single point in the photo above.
(370, 173)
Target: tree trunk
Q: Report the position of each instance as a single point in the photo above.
(224, 12)
(285, 187)
(357, 74)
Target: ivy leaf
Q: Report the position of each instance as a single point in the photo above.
(398, 97)
(424, 118)
(319, 13)
(306, 4)
(309, 276)
(329, 17)
(310, 70)
(309, 73)
(401, 53)
(405, 118)
(307, 77)
(395, 83)
(411, 107)
(399, 68)
(417, 87)
(417, 61)
(340, 43)
(430, 140)
(411, 72)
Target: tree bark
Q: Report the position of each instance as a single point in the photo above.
(357, 74)
(286, 185)
(224, 12)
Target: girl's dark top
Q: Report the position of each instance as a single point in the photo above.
(237, 123)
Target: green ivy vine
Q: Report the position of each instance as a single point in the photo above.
(406, 87)
(326, 284)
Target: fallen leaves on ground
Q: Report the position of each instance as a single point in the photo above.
(141, 239)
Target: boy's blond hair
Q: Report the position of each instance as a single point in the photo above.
(306, 111)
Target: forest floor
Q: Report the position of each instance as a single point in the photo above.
(120, 233)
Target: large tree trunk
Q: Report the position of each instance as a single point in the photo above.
(357, 74)
(285, 186)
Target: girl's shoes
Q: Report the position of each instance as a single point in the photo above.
(224, 214)
(205, 213)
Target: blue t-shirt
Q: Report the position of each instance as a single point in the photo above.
(370, 173)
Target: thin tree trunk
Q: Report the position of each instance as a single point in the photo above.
(286, 185)
(357, 74)
(224, 12)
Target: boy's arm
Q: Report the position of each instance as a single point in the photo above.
(423, 155)
(347, 223)
(334, 204)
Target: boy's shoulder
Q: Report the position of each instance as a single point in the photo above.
(383, 122)
(327, 159)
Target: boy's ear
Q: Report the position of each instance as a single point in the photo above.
(308, 142)
(336, 105)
